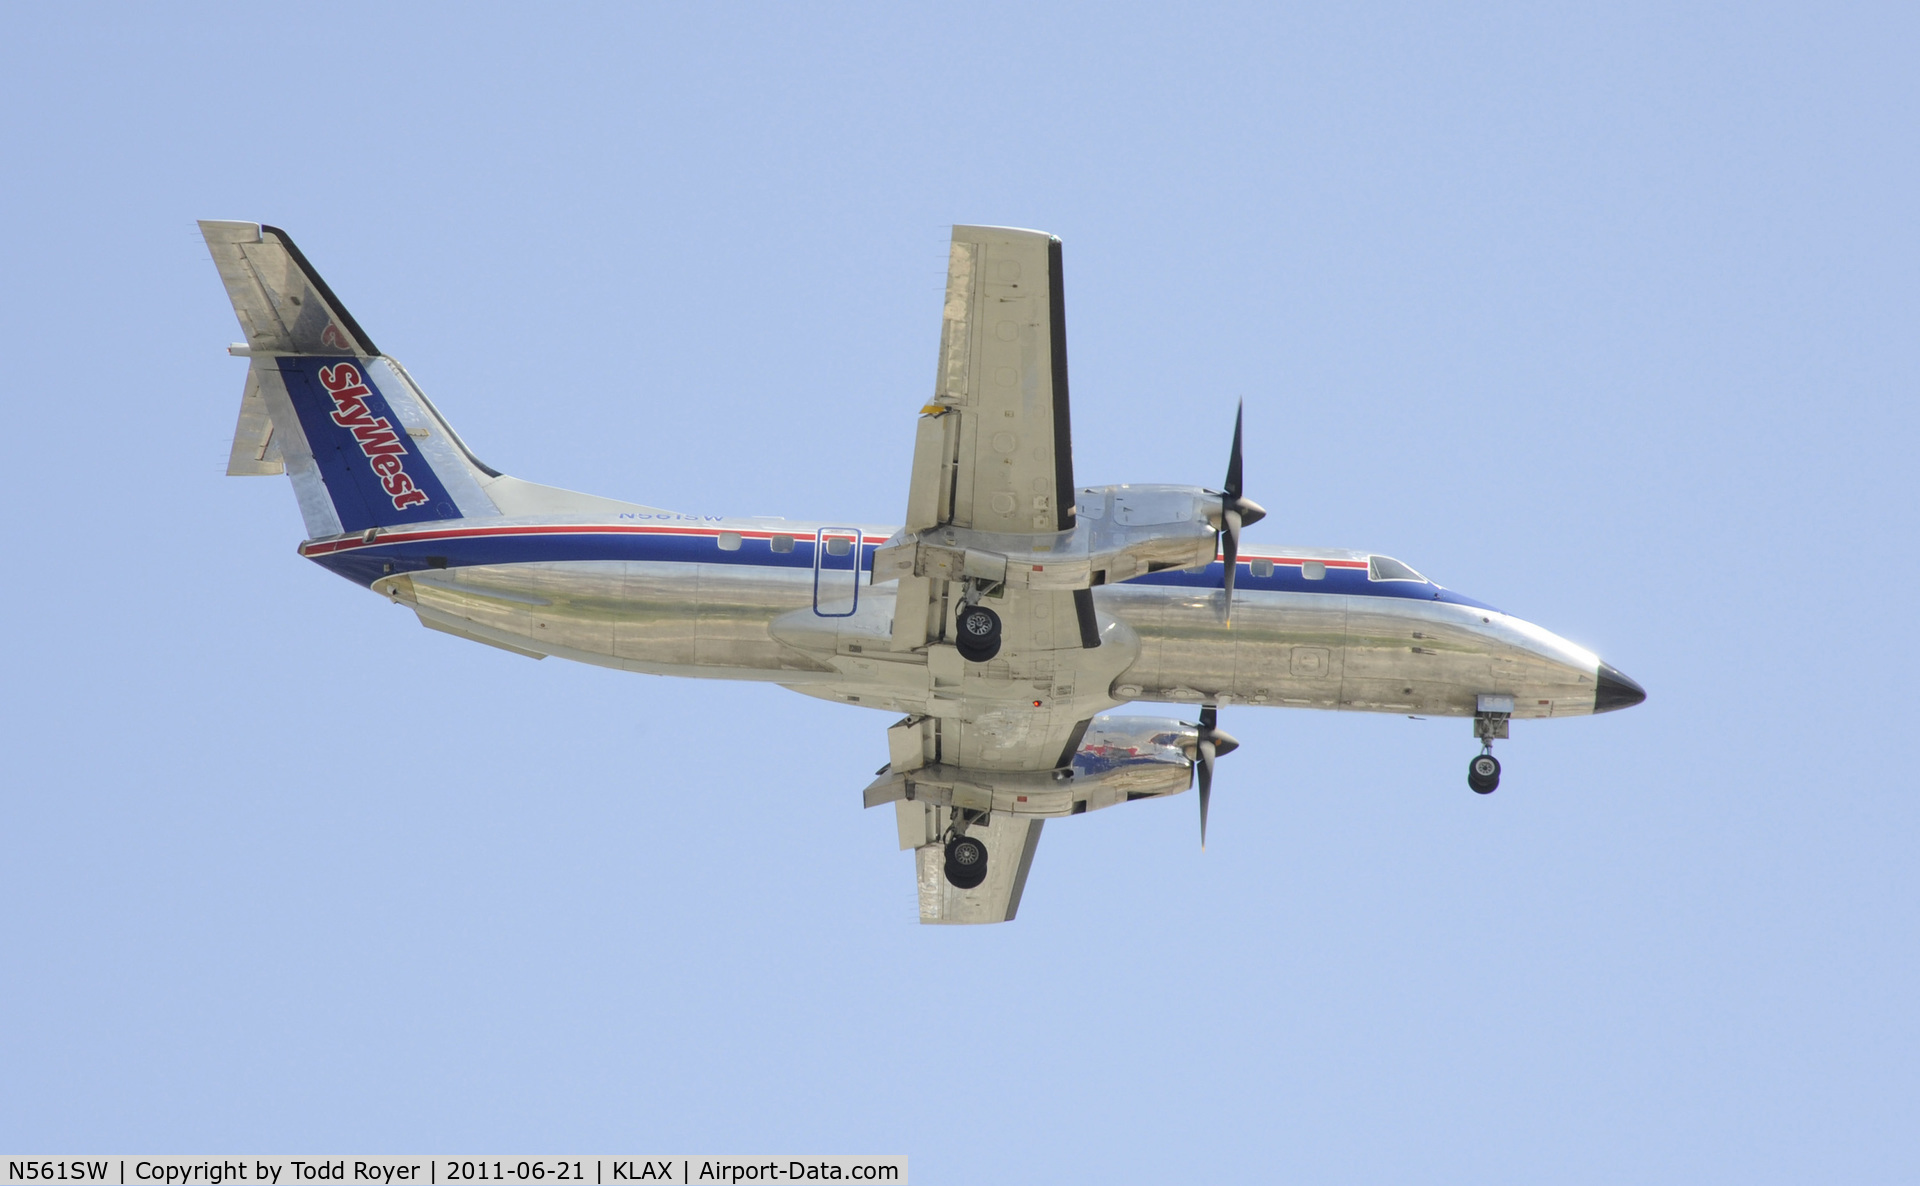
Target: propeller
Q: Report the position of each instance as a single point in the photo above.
(1236, 511)
(1211, 742)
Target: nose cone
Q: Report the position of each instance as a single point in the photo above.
(1615, 690)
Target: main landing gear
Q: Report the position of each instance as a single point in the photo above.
(977, 633)
(1483, 773)
(966, 863)
(966, 855)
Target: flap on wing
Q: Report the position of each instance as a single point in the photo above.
(1010, 842)
(994, 449)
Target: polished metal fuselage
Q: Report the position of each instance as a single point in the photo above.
(1299, 649)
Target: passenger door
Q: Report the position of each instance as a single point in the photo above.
(836, 572)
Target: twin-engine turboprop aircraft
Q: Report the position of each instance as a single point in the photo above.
(1010, 611)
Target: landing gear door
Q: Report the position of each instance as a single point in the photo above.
(836, 572)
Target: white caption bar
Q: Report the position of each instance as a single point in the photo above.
(438, 1171)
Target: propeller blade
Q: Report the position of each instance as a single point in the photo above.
(1233, 489)
(1230, 546)
(1234, 496)
(1206, 752)
(1230, 513)
(1206, 787)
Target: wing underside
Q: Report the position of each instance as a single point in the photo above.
(1011, 839)
(994, 451)
(993, 454)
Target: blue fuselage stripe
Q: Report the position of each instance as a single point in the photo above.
(367, 564)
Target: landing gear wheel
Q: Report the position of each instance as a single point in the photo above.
(1483, 774)
(966, 863)
(978, 634)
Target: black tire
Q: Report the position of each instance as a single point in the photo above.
(966, 862)
(977, 633)
(1483, 774)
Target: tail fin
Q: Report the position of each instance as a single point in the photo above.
(362, 444)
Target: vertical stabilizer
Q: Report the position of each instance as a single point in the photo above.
(362, 445)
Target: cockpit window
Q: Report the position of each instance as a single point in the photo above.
(1386, 568)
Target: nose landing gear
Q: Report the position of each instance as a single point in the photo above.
(1483, 773)
(1489, 725)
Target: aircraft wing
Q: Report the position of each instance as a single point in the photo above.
(993, 460)
(994, 450)
(993, 453)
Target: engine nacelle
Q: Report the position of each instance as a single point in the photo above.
(1136, 755)
(1119, 759)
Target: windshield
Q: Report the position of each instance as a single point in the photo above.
(1386, 568)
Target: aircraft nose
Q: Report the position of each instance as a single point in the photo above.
(1615, 690)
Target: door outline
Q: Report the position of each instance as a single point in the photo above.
(820, 539)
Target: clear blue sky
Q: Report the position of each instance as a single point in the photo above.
(1604, 317)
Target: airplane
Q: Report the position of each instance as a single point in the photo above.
(1002, 620)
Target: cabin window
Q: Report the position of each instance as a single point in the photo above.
(729, 541)
(1313, 570)
(782, 543)
(1262, 568)
(839, 546)
(1386, 568)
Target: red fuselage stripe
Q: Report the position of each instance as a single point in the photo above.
(402, 537)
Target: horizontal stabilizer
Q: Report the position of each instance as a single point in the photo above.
(283, 305)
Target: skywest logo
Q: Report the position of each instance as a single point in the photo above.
(377, 438)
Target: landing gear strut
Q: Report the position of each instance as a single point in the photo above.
(966, 855)
(1483, 773)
